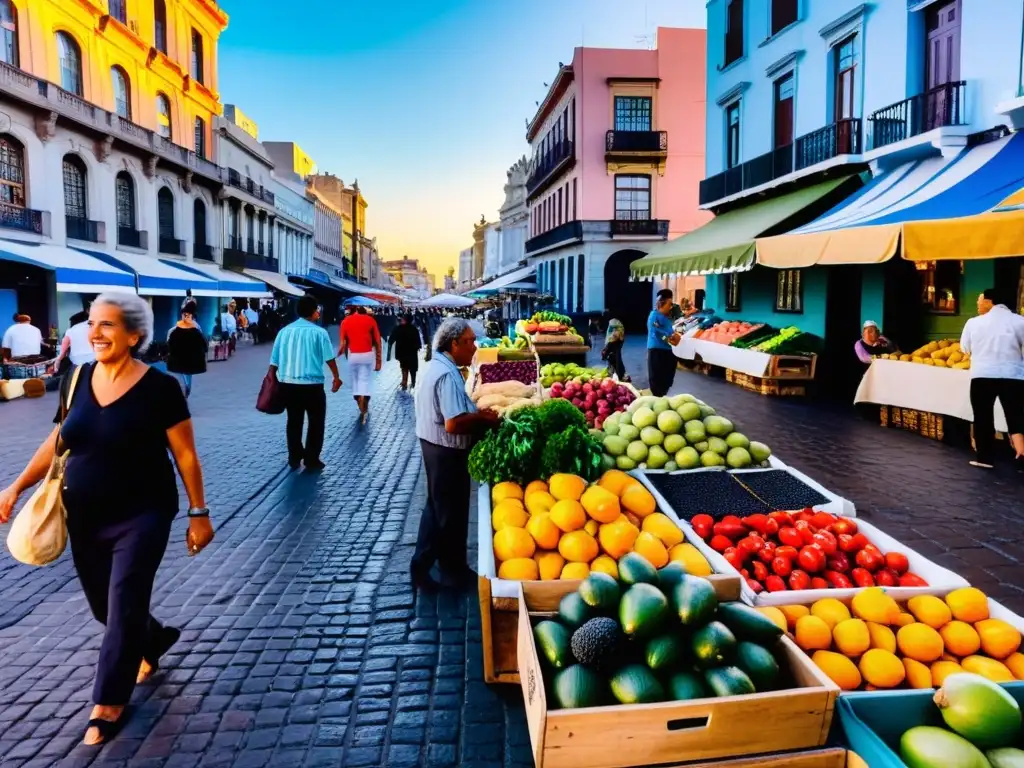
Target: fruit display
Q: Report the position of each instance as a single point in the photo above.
(784, 551)
(549, 328)
(729, 493)
(872, 642)
(789, 341)
(679, 432)
(651, 636)
(536, 441)
(525, 371)
(597, 399)
(509, 349)
(506, 397)
(727, 331)
(569, 373)
(940, 354)
(567, 528)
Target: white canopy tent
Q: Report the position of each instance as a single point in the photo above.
(447, 300)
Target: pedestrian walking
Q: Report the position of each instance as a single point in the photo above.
(614, 338)
(406, 342)
(995, 341)
(229, 325)
(186, 349)
(661, 337)
(301, 350)
(75, 348)
(360, 342)
(446, 421)
(120, 495)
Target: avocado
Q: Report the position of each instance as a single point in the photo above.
(728, 681)
(553, 643)
(694, 600)
(636, 569)
(665, 651)
(749, 624)
(643, 611)
(713, 645)
(759, 664)
(573, 612)
(636, 684)
(577, 686)
(671, 575)
(600, 591)
(598, 643)
(685, 686)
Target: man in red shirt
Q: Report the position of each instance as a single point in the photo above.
(361, 344)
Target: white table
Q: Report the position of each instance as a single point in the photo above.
(746, 361)
(921, 388)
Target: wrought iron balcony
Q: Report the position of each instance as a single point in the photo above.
(761, 170)
(84, 229)
(646, 227)
(559, 158)
(130, 237)
(202, 251)
(267, 195)
(236, 259)
(940, 107)
(632, 144)
(235, 178)
(172, 246)
(843, 137)
(22, 219)
(567, 232)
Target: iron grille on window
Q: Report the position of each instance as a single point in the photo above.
(200, 137)
(165, 212)
(125, 201)
(789, 291)
(118, 10)
(632, 113)
(632, 197)
(8, 33)
(75, 196)
(12, 173)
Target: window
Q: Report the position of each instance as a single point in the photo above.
(165, 212)
(940, 285)
(574, 199)
(733, 31)
(197, 57)
(12, 172)
(784, 13)
(789, 291)
(580, 282)
(784, 92)
(632, 197)
(632, 113)
(845, 67)
(70, 56)
(199, 222)
(732, 292)
(160, 25)
(118, 10)
(75, 193)
(125, 193)
(9, 33)
(732, 135)
(200, 137)
(122, 93)
(163, 116)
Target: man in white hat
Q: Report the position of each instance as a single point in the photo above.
(872, 343)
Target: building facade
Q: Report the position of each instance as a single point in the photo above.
(514, 217)
(617, 149)
(449, 280)
(327, 257)
(465, 268)
(492, 250)
(409, 274)
(290, 156)
(294, 226)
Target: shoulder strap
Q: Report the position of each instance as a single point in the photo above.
(71, 392)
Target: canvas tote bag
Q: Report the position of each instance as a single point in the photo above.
(39, 533)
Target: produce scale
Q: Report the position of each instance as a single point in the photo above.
(666, 591)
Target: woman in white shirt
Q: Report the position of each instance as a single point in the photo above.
(76, 345)
(995, 341)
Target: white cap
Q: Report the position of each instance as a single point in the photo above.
(870, 324)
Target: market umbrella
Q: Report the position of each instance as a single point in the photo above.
(447, 300)
(360, 301)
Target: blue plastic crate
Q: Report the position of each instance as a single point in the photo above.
(874, 722)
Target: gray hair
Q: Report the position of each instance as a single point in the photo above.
(451, 330)
(136, 314)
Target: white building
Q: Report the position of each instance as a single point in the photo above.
(465, 267)
(515, 219)
(492, 250)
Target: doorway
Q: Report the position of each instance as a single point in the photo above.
(902, 309)
(942, 63)
(839, 371)
(628, 300)
(1009, 278)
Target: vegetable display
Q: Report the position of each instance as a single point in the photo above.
(505, 397)
(597, 399)
(789, 341)
(940, 354)
(509, 370)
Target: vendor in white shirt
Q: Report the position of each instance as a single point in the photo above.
(76, 345)
(995, 342)
(22, 339)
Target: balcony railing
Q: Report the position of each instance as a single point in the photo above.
(83, 229)
(556, 159)
(636, 142)
(761, 170)
(236, 259)
(202, 251)
(23, 219)
(570, 230)
(234, 178)
(172, 246)
(646, 227)
(129, 237)
(267, 195)
(843, 137)
(939, 107)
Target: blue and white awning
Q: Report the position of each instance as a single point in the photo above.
(228, 283)
(76, 271)
(156, 277)
(517, 279)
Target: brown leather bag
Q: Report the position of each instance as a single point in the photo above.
(271, 398)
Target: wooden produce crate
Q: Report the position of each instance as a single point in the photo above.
(793, 367)
(763, 385)
(931, 425)
(696, 366)
(671, 732)
(834, 757)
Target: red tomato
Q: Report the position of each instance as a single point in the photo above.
(838, 562)
(799, 580)
(860, 541)
(758, 523)
(702, 520)
(912, 580)
(791, 537)
(731, 519)
(767, 554)
(782, 567)
(844, 525)
(733, 531)
(720, 543)
(771, 527)
(826, 541)
(887, 578)
(784, 519)
(805, 515)
(870, 560)
(838, 580)
(790, 553)
(755, 585)
(819, 583)
(862, 578)
(760, 570)
(734, 558)
(775, 584)
(822, 520)
(806, 531)
(846, 542)
(897, 561)
(811, 559)
(745, 573)
(704, 530)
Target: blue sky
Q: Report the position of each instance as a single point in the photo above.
(424, 101)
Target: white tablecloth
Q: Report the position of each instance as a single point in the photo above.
(724, 356)
(922, 388)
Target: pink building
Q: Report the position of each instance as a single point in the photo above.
(617, 156)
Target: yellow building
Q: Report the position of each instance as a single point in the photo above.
(152, 62)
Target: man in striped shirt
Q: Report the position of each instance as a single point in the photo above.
(300, 352)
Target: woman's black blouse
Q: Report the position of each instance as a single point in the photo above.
(406, 340)
(119, 464)
(186, 351)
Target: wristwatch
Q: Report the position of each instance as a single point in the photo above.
(199, 512)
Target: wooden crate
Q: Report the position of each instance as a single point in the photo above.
(792, 367)
(499, 622)
(834, 757)
(671, 732)
(696, 366)
(931, 425)
(767, 386)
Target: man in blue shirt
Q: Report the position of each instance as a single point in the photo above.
(300, 352)
(661, 337)
(446, 420)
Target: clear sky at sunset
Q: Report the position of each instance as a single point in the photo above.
(423, 101)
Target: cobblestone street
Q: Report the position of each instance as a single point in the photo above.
(303, 644)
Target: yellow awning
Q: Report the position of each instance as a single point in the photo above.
(985, 236)
(863, 245)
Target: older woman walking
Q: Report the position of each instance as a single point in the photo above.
(122, 424)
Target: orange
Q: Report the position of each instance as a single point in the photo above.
(839, 669)
(918, 674)
(650, 547)
(544, 531)
(519, 569)
(592, 527)
(616, 481)
(1015, 663)
(563, 486)
(534, 487)
(638, 500)
(930, 610)
(578, 547)
(509, 514)
(793, 613)
(903, 619)
(778, 617)
(605, 564)
(882, 637)
(852, 637)
(943, 669)
(575, 571)
(960, 638)
(662, 527)
(998, 639)
(693, 561)
(513, 543)
(920, 642)
(600, 504)
(617, 537)
(539, 501)
(874, 605)
(813, 634)
(568, 515)
(994, 670)
(549, 564)
(968, 604)
(881, 668)
(831, 611)
(507, 490)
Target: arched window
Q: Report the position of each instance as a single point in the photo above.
(122, 92)
(200, 137)
(160, 25)
(163, 116)
(12, 172)
(125, 189)
(9, 33)
(76, 197)
(165, 212)
(70, 56)
(199, 222)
